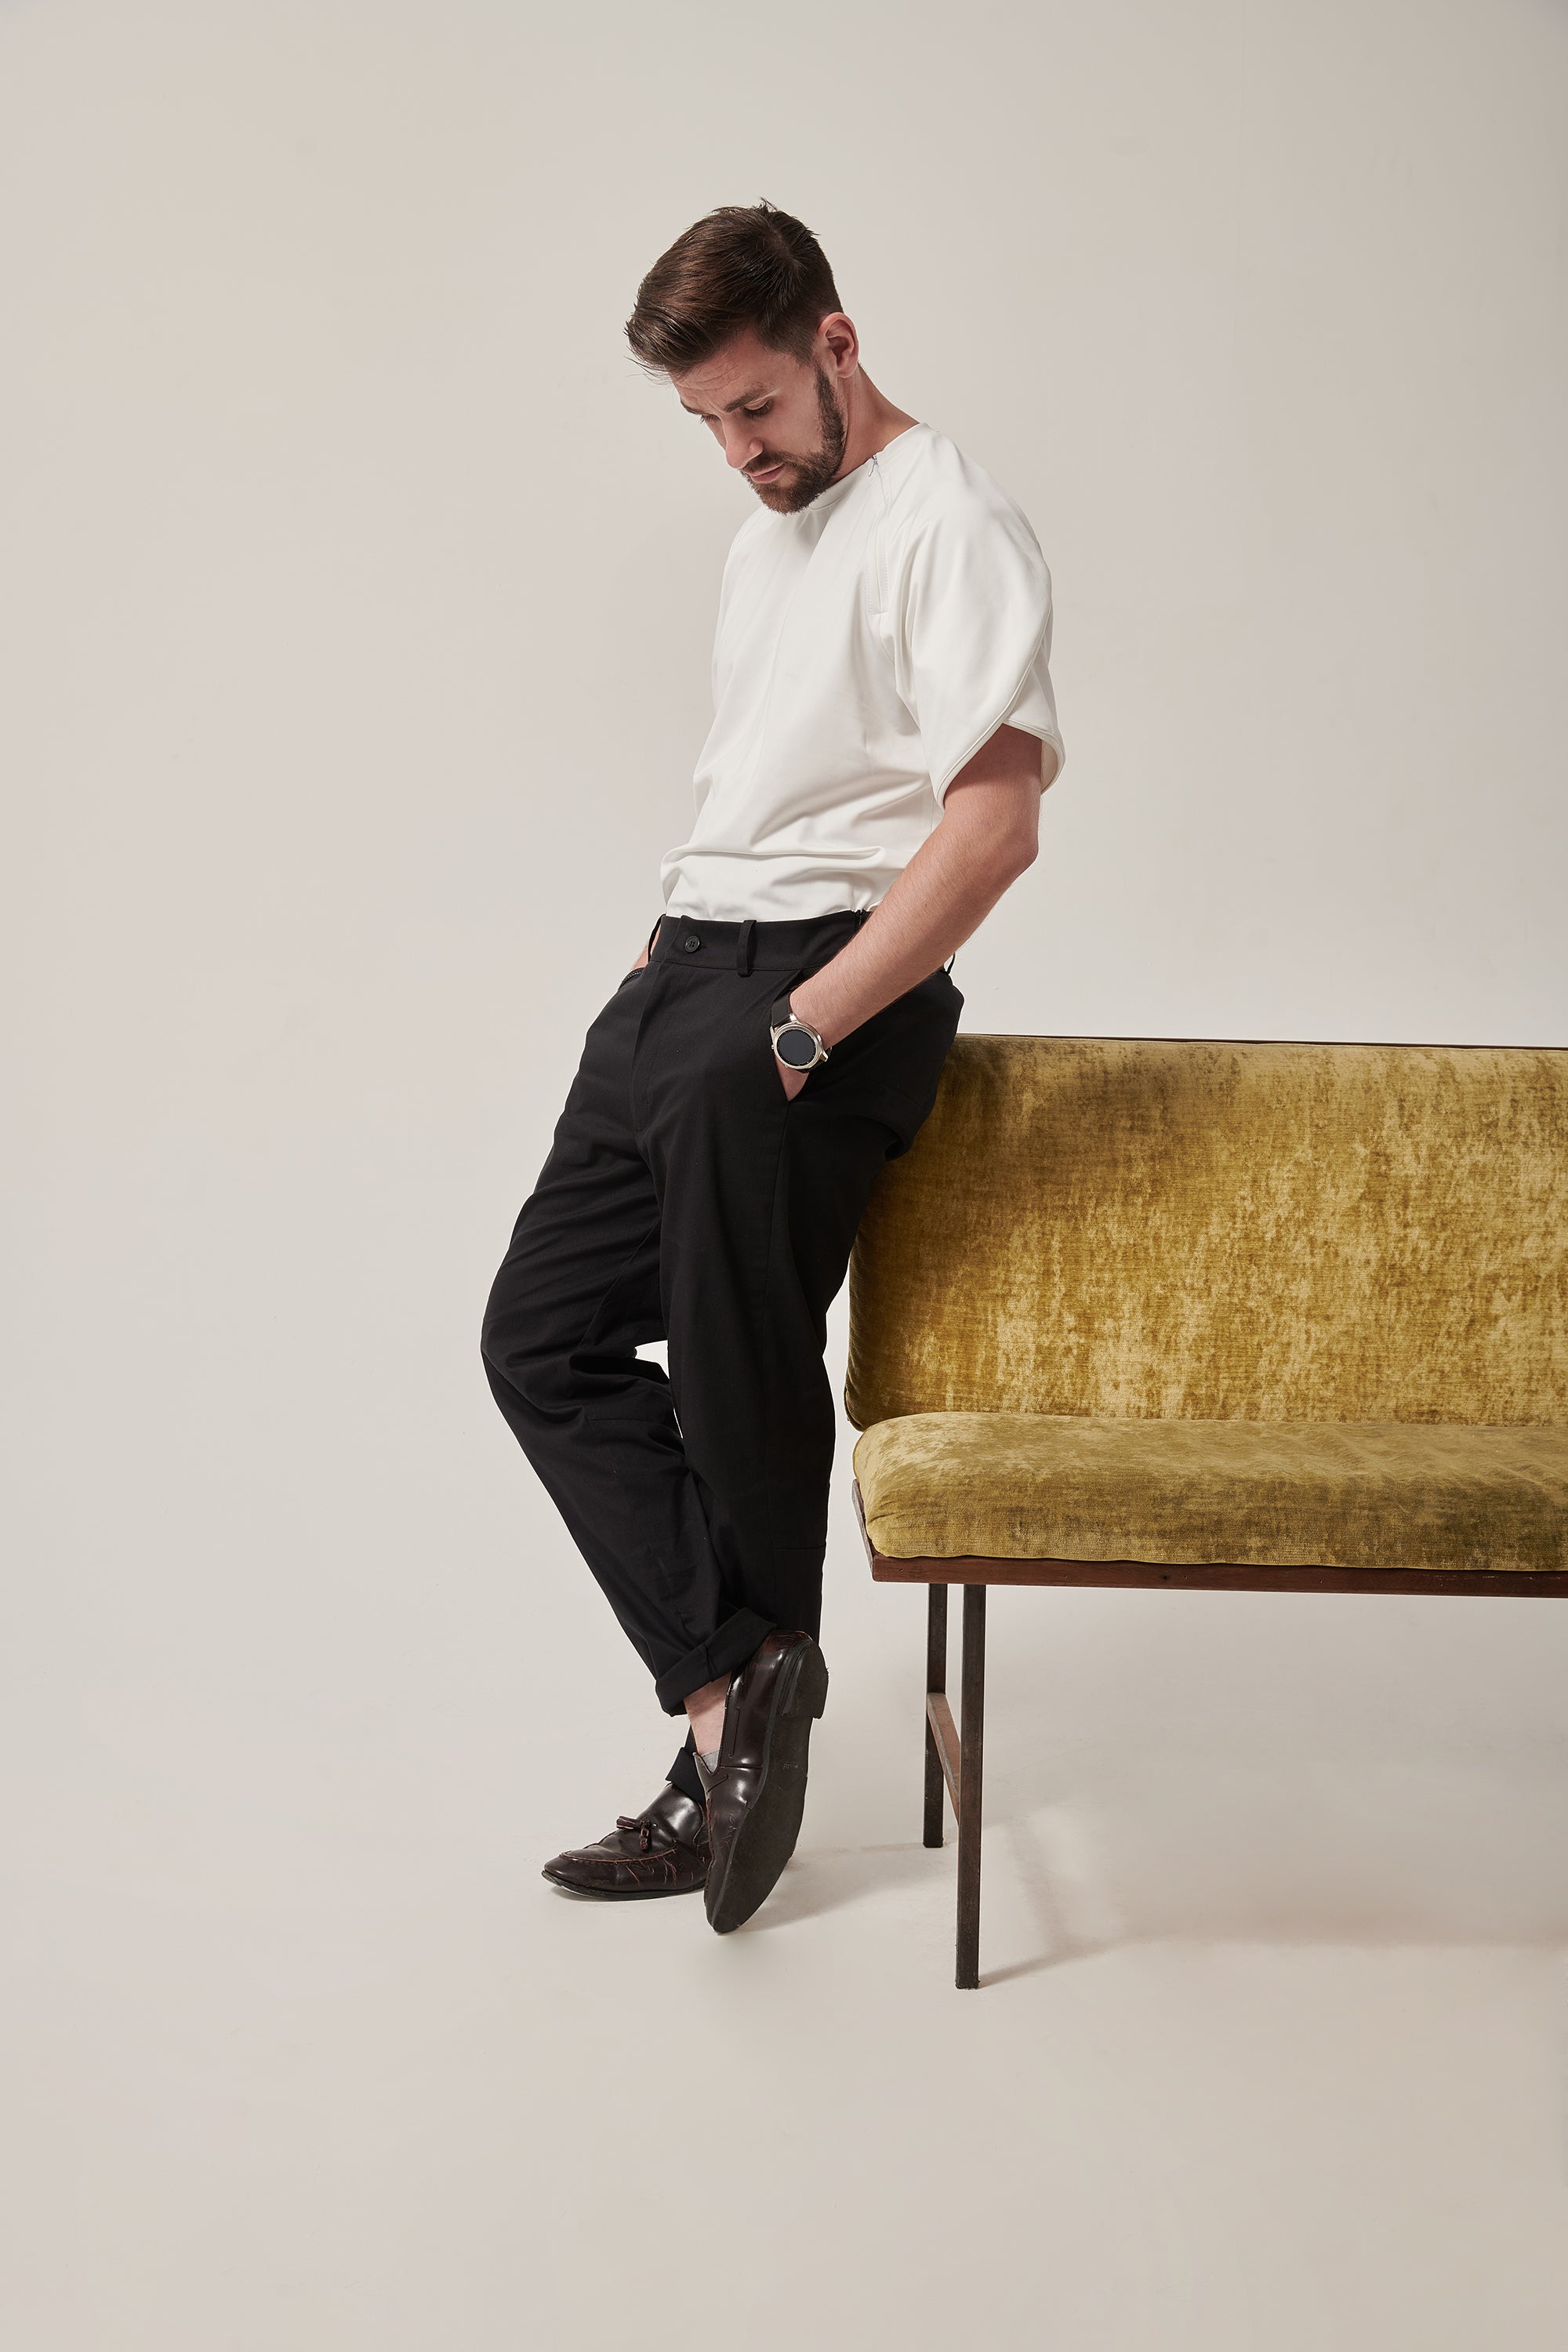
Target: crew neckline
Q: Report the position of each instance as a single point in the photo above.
(877, 456)
(920, 426)
(830, 496)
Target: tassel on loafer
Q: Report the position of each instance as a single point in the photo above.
(663, 1850)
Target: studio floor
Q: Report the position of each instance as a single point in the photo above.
(1269, 2052)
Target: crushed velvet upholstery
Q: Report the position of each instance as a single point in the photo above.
(1227, 1244)
(1287, 1493)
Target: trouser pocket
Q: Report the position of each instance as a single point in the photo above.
(888, 1068)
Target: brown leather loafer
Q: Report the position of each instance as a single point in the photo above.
(663, 1850)
(756, 1792)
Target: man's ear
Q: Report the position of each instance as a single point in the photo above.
(839, 343)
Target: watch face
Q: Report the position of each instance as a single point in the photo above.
(796, 1048)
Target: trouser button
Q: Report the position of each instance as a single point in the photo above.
(690, 940)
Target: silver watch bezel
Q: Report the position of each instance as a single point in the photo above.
(776, 1030)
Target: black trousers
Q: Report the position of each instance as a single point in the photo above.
(687, 1198)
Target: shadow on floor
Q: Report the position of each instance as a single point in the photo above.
(1300, 1768)
(831, 1878)
(1072, 1919)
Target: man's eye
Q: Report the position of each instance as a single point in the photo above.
(758, 412)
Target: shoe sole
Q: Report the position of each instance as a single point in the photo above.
(619, 1894)
(771, 1823)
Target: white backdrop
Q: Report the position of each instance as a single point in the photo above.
(358, 602)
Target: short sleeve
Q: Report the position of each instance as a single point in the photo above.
(970, 610)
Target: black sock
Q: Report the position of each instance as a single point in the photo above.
(683, 1773)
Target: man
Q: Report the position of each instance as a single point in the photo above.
(883, 729)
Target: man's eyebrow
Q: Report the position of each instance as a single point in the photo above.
(730, 406)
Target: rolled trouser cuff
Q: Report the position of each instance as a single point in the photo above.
(721, 1654)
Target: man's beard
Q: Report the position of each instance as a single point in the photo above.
(809, 476)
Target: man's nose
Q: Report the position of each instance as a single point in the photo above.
(740, 448)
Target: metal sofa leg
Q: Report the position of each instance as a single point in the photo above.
(973, 1744)
(936, 1685)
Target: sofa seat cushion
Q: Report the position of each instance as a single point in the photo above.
(1287, 1493)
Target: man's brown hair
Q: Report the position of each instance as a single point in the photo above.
(740, 266)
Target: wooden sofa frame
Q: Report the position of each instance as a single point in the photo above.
(954, 1754)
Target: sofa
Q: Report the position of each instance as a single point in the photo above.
(1143, 1311)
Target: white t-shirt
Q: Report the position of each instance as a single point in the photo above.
(867, 648)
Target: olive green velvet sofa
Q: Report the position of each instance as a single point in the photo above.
(1180, 1312)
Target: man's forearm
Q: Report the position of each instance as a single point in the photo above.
(943, 893)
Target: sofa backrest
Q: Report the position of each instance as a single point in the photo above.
(1182, 1229)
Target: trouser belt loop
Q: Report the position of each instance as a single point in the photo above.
(745, 946)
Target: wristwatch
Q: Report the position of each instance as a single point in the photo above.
(796, 1043)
